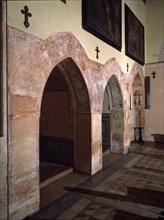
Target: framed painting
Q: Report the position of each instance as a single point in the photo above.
(105, 129)
(134, 37)
(1, 73)
(103, 20)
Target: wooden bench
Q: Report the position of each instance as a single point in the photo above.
(158, 138)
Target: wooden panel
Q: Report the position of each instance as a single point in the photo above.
(57, 150)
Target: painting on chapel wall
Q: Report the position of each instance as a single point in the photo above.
(134, 37)
(103, 20)
(1, 78)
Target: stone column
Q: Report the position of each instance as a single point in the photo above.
(83, 142)
(117, 130)
(88, 143)
(96, 135)
(23, 156)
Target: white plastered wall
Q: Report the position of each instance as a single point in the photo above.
(51, 17)
(154, 117)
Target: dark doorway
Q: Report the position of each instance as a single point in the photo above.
(56, 130)
(106, 122)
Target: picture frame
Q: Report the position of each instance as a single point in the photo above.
(134, 37)
(105, 129)
(1, 71)
(103, 20)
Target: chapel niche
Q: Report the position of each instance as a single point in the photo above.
(113, 116)
(56, 128)
(138, 106)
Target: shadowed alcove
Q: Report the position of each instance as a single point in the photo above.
(64, 111)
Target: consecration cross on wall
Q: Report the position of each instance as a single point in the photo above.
(26, 15)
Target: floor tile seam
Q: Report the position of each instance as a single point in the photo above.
(129, 207)
(149, 170)
(153, 156)
(157, 209)
(112, 178)
(151, 173)
(135, 160)
(52, 211)
(95, 180)
(154, 209)
(123, 161)
(74, 209)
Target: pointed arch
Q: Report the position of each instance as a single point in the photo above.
(116, 93)
(26, 83)
(137, 113)
(81, 111)
(78, 84)
(116, 115)
(136, 70)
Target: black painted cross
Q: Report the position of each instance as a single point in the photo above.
(64, 1)
(127, 65)
(26, 15)
(97, 52)
(144, 1)
(153, 73)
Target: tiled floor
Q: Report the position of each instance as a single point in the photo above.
(129, 187)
